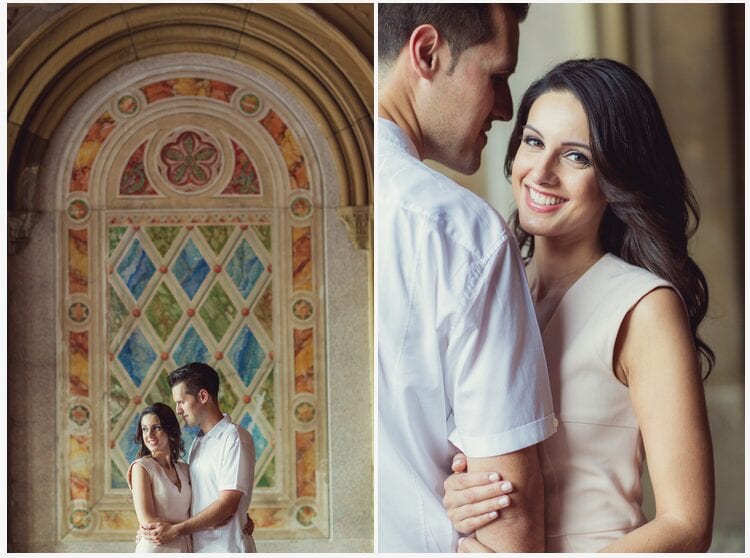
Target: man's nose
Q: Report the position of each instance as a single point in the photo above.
(503, 108)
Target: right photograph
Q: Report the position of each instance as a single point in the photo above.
(559, 256)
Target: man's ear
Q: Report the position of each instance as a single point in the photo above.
(424, 58)
(203, 395)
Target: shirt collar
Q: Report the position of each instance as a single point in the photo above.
(389, 132)
(218, 428)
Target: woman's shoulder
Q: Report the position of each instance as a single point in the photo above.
(147, 462)
(615, 266)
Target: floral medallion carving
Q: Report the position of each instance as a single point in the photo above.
(190, 161)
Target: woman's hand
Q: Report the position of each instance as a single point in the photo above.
(473, 500)
(249, 526)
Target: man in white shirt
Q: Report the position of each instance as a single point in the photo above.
(460, 357)
(222, 463)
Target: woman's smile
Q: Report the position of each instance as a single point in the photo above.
(541, 202)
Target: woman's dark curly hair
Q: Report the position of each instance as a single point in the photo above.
(648, 219)
(169, 424)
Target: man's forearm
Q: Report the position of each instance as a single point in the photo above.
(208, 517)
(520, 527)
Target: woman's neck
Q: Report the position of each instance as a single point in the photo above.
(162, 458)
(557, 264)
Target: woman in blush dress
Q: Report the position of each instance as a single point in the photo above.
(604, 216)
(160, 483)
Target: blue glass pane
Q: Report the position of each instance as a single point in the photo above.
(261, 442)
(137, 356)
(245, 268)
(190, 349)
(136, 269)
(190, 269)
(188, 435)
(127, 439)
(247, 355)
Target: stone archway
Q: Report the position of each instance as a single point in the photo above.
(295, 75)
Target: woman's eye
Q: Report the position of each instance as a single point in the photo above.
(578, 158)
(532, 141)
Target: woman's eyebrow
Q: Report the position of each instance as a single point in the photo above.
(571, 143)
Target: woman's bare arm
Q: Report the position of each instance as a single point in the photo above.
(656, 357)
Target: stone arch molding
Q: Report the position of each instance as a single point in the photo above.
(177, 179)
(321, 54)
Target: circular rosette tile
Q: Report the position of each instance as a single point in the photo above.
(78, 312)
(304, 412)
(79, 415)
(303, 309)
(80, 519)
(78, 210)
(250, 104)
(300, 207)
(128, 105)
(305, 515)
(190, 161)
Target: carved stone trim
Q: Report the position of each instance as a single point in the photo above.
(358, 221)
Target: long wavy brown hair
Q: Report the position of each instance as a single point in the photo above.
(651, 210)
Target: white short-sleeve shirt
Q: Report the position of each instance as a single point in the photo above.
(460, 357)
(222, 459)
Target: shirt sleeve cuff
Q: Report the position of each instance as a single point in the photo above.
(506, 442)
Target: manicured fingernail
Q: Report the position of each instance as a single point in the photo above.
(503, 501)
(493, 515)
(494, 477)
(506, 487)
(458, 461)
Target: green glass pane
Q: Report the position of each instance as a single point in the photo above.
(163, 311)
(160, 391)
(116, 314)
(263, 309)
(162, 237)
(118, 479)
(269, 476)
(115, 234)
(118, 400)
(265, 392)
(218, 312)
(227, 398)
(216, 236)
(264, 234)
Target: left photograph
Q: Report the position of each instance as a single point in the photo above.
(190, 278)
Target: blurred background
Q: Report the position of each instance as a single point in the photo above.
(692, 57)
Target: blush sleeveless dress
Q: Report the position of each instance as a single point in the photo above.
(592, 466)
(170, 503)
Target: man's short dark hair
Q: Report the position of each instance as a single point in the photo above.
(196, 376)
(461, 25)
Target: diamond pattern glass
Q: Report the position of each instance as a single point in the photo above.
(218, 312)
(247, 355)
(163, 311)
(137, 356)
(190, 269)
(162, 237)
(245, 268)
(136, 269)
(126, 442)
(259, 439)
(190, 349)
